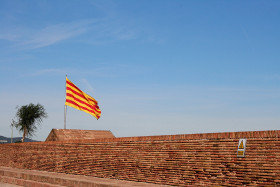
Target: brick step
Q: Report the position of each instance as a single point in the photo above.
(25, 183)
(35, 178)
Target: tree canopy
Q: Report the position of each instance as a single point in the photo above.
(28, 118)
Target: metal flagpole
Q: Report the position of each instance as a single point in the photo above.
(65, 108)
(12, 134)
(65, 112)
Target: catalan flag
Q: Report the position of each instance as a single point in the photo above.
(78, 99)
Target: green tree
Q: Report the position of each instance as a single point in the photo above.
(28, 117)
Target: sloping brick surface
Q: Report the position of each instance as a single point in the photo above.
(182, 160)
(8, 185)
(76, 134)
(32, 178)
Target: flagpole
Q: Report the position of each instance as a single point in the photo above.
(65, 112)
(65, 108)
(12, 133)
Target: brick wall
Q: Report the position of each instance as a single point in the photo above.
(183, 160)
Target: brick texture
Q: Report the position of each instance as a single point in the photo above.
(182, 160)
(76, 134)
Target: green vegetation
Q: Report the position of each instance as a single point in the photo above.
(28, 117)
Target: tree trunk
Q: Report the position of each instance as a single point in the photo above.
(24, 134)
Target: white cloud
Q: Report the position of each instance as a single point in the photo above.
(53, 34)
(100, 31)
(88, 87)
(50, 71)
(9, 36)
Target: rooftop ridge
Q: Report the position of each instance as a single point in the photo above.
(77, 134)
(218, 135)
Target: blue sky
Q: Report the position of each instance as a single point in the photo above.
(156, 67)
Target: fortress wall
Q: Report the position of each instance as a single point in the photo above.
(183, 160)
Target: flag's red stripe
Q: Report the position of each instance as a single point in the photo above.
(92, 100)
(70, 83)
(94, 107)
(77, 93)
(80, 95)
(90, 111)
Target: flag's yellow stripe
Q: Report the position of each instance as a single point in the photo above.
(78, 108)
(77, 96)
(73, 86)
(80, 100)
(91, 107)
(80, 93)
(86, 96)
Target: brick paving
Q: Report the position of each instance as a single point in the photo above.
(35, 178)
(8, 185)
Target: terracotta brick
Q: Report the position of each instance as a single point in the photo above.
(191, 159)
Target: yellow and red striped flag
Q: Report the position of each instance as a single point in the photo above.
(78, 99)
